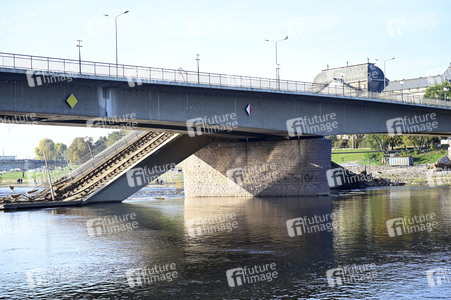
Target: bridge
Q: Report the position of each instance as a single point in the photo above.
(236, 135)
(27, 164)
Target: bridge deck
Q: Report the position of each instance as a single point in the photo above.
(136, 75)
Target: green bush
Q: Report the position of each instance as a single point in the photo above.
(361, 143)
(341, 144)
(372, 156)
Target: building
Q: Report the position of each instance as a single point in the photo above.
(9, 157)
(418, 86)
(361, 77)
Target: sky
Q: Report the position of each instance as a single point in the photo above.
(230, 38)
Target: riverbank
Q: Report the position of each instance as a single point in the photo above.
(408, 175)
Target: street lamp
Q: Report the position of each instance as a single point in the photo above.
(115, 26)
(402, 90)
(343, 82)
(277, 62)
(198, 59)
(86, 139)
(79, 45)
(384, 66)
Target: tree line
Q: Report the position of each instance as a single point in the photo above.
(79, 148)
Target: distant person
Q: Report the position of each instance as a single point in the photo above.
(23, 174)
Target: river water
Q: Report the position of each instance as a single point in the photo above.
(232, 248)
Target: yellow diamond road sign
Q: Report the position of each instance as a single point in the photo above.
(72, 101)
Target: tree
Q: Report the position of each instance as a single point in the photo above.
(419, 142)
(377, 142)
(47, 146)
(102, 140)
(115, 136)
(61, 149)
(79, 149)
(341, 144)
(437, 91)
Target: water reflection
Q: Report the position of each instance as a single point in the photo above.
(168, 233)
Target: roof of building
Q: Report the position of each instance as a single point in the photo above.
(366, 76)
(421, 82)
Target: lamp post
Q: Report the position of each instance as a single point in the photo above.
(384, 66)
(198, 59)
(277, 62)
(402, 90)
(86, 139)
(115, 27)
(79, 45)
(343, 82)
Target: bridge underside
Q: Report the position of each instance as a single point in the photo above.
(225, 168)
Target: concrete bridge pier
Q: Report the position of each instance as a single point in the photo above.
(265, 169)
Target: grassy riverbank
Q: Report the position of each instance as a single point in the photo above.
(34, 178)
(348, 156)
(30, 178)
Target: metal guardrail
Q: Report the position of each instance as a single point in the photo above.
(105, 154)
(71, 68)
(90, 161)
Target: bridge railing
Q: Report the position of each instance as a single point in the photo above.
(93, 159)
(74, 68)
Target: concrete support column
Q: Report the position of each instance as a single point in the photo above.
(265, 169)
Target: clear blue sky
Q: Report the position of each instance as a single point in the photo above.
(229, 36)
